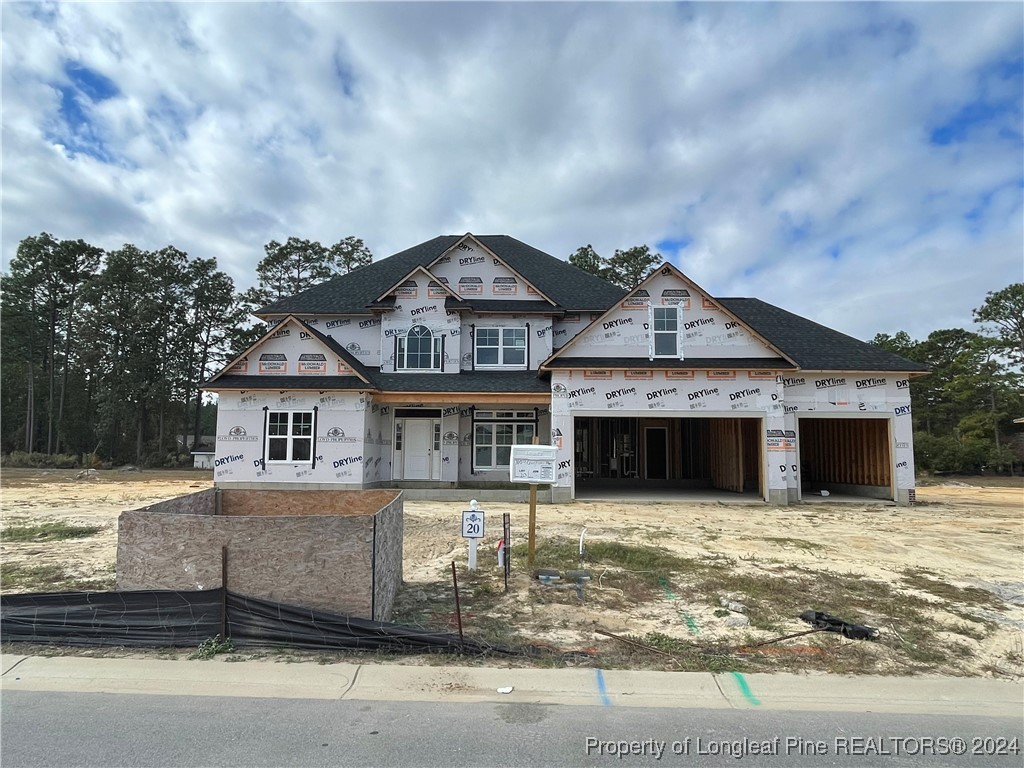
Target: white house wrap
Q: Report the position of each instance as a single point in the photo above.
(423, 369)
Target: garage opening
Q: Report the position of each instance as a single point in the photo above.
(845, 456)
(665, 453)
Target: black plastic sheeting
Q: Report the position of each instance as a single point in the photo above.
(261, 623)
(152, 618)
(828, 623)
(163, 618)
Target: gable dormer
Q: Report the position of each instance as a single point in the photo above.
(418, 333)
(668, 317)
(474, 272)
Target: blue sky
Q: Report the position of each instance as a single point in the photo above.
(860, 164)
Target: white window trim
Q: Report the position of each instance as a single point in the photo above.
(501, 348)
(502, 418)
(436, 352)
(290, 438)
(675, 334)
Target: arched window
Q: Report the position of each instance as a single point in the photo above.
(418, 350)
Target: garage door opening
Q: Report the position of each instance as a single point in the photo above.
(845, 456)
(692, 454)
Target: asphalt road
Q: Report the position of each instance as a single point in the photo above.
(93, 729)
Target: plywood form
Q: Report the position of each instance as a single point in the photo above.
(334, 554)
(300, 503)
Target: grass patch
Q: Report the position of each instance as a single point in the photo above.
(966, 630)
(682, 655)
(56, 530)
(50, 578)
(488, 614)
(972, 596)
(648, 561)
(775, 598)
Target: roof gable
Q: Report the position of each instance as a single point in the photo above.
(705, 328)
(568, 287)
(475, 270)
(437, 287)
(294, 347)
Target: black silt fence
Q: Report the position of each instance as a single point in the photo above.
(150, 618)
(166, 618)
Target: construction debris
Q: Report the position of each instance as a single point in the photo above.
(827, 623)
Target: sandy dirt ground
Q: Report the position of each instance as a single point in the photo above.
(963, 535)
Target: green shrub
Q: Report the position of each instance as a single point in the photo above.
(38, 460)
(211, 647)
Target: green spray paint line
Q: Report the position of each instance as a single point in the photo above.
(741, 681)
(691, 623)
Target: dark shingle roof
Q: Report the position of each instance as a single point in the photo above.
(514, 306)
(815, 347)
(463, 382)
(693, 363)
(243, 381)
(571, 288)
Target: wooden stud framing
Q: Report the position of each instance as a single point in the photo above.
(845, 451)
(727, 455)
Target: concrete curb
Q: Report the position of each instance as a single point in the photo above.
(578, 687)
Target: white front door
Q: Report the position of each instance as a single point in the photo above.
(418, 449)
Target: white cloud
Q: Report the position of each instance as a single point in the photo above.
(770, 135)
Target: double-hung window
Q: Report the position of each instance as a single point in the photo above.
(289, 436)
(494, 434)
(500, 347)
(666, 331)
(419, 350)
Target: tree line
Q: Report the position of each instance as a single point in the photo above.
(964, 409)
(104, 351)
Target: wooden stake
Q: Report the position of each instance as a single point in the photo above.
(224, 593)
(532, 547)
(458, 608)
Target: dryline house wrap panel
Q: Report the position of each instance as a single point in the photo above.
(711, 394)
(377, 444)
(702, 329)
(470, 271)
(415, 308)
(335, 432)
(291, 350)
(359, 335)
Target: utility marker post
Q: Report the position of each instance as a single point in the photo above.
(532, 464)
(473, 530)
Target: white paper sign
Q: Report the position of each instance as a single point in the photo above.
(534, 464)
